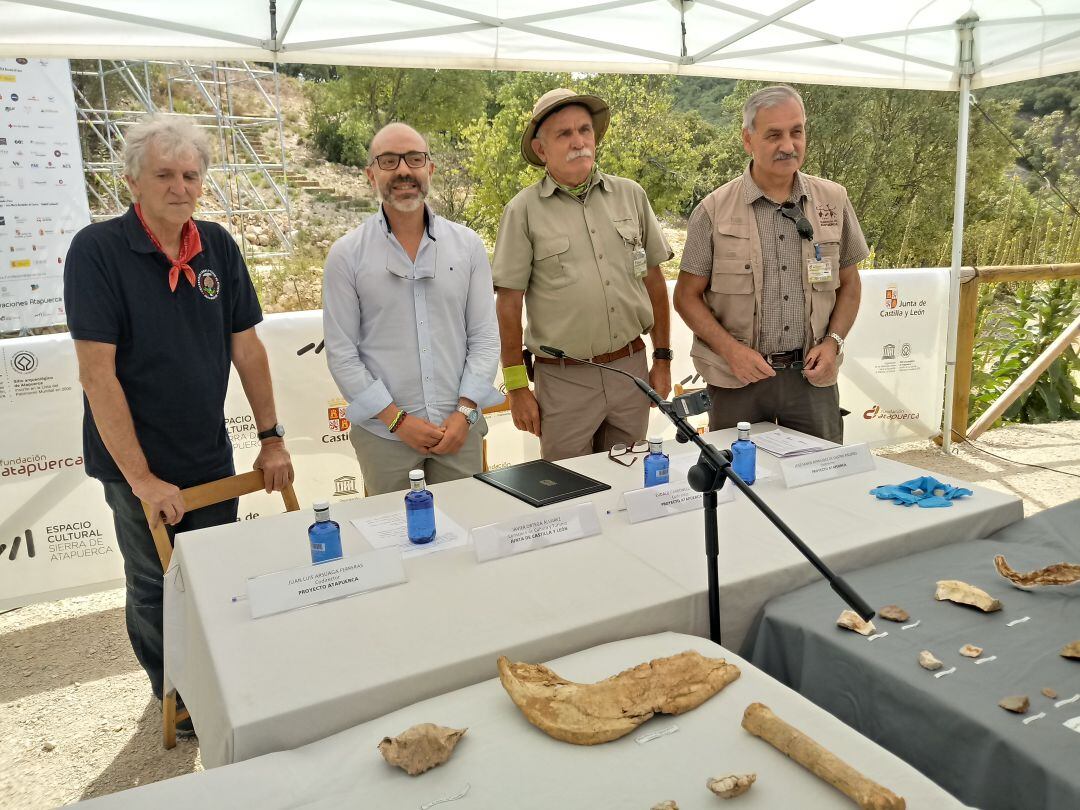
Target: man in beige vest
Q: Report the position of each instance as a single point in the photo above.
(768, 282)
(582, 250)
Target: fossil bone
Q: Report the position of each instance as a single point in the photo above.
(1057, 574)
(759, 720)
(1015, 703)
(894, 613)
(850, 620)
(728, 787)
(928, 661)
(1050, 693)
(971, 651)
(1071, 650)
(420, 748)
(956, 591)
(665, 805)
(588, 714)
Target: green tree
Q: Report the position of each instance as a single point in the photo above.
(345, 113)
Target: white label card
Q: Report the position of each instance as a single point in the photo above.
(314, 584)
(826, 465)
(667, 499)
(534, 531)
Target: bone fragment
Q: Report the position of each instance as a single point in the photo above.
(665, 805)
(956, 591)
(759, 720)
(928, 661)
(1015, 703)
(421, 747)
(587, 714)
(1057, 574)
(850, 620)
(728, 787)
(894, 613)
(1071, 650)
(1050, 693)
(971, 651)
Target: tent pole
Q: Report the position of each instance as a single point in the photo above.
(966, 33)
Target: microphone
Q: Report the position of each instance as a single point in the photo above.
(647, 389)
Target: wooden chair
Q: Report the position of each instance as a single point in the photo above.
(501, 408)
(195, 498)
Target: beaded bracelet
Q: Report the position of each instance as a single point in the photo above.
(394, 425)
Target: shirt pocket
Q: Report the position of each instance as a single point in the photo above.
(550, 262)
(631, 241)
(830, 252)
(731, 240)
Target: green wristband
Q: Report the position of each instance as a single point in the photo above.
(515, 377)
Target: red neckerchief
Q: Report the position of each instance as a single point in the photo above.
(190, 247)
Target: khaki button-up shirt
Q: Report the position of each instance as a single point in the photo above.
(574, 260)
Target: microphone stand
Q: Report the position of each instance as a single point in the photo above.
(713, 468)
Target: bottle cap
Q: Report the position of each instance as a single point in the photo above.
(656, 440)
(321, 506)
(416, 475)
(743, 426)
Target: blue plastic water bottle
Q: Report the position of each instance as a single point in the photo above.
(419, 510)
(324, 535)
(656, 463)
(744, 454)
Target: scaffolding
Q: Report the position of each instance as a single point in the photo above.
(238, 104)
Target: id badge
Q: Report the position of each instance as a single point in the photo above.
(819, 272)
(640, 270)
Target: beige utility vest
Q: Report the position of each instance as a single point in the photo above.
(734, 292)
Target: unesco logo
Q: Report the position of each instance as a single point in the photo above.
(24, 362)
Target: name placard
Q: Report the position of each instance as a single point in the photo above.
(826, 465)
(313, 584)
(667, 499)
(537, 530)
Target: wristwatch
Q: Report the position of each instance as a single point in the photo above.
(276, 432)
(839, 342)
(470, 414)
(663, 354)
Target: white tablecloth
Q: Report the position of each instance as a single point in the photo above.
(509, 764)
(257, 686)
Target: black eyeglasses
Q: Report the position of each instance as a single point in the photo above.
(795, 214)
(388, 161)
(617, 452)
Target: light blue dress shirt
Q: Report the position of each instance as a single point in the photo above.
(417, 333)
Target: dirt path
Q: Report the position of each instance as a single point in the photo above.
(77, 718)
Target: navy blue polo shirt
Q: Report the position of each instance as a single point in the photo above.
(173, 349)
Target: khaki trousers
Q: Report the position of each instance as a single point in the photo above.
(385, 463)
(585, 410)
(788, 399)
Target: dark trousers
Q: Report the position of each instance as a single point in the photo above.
(787, 399)
(142, 570)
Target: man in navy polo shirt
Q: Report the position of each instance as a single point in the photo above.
(158, 306)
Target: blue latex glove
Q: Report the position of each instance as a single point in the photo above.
(926, 491)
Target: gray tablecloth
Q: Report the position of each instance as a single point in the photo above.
(510, 765)
(950, 727)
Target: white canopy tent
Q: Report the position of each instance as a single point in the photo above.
(951, 45)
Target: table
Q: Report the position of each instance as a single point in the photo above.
(254, 687)
(508, 763)
(951, 728)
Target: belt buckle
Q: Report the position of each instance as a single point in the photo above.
(775, 363)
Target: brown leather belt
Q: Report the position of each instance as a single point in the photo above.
(784, 359)
(635, 345)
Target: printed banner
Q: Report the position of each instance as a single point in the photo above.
(42, 196)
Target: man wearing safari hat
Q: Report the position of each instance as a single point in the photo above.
(582, 251)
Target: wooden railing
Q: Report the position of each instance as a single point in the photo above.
(970, 279)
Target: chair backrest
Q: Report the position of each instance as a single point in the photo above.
(210, 493)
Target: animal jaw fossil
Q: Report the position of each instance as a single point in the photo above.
(420, 748)
(728, 787)
(588, 714)
(956, 591)
(1057, 574)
